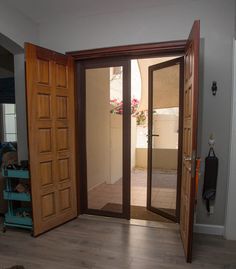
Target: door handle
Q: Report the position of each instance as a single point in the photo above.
(152, 135)
(188, 159)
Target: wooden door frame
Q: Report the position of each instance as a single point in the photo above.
(180, 61)
(148, 50)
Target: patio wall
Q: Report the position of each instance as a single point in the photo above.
(165, 159)
(97, 126)
(103, 132)
(116, 146)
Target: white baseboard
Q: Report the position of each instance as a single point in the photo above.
(209, 229)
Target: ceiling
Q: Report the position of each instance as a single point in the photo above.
(42, 10)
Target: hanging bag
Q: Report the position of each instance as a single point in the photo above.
(210, 178)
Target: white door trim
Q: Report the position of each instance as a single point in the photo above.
(230, 217)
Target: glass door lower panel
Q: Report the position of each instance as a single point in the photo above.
(106, 118)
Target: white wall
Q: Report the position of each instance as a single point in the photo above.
(103, 131)
(170, 21)
(133, 141)
(97, 126)
(116, 147)
(166, 126)
(163, 159)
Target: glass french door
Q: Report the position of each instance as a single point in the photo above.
(164, 138)
(106, 176)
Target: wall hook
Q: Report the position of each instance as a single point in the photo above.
(214, 87)
(211, 141)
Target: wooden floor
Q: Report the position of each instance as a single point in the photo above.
(99, 244)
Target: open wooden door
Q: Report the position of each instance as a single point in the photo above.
(190, 120)
(51, 136)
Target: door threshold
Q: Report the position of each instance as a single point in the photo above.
(136, 222)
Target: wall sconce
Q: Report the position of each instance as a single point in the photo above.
(214, 88)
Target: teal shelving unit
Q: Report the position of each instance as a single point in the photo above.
(16, 216)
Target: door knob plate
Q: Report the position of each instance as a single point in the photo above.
(187, 159)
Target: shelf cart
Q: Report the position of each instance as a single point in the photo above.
(15, 215)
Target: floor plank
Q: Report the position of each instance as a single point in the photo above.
(99, 244)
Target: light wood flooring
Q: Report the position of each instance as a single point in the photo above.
(101, 244)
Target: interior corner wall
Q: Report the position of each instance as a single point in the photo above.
(172, 20)
(16, 26)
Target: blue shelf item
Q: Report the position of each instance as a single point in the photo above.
(16, 217)
(13, 219)
(16, 196)
(22, 174)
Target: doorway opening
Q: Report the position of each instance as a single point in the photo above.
(117, 142)
(189, 49)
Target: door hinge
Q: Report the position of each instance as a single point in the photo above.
(193, 163)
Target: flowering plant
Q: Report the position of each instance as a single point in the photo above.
(141, 117)
(117, 106)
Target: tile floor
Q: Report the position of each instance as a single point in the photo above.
(163, 190)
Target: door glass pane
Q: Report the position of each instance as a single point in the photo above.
(104, 129)
(165, 128)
